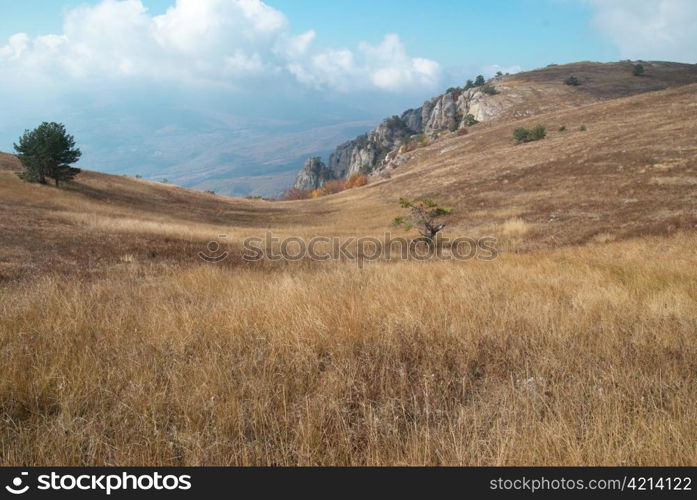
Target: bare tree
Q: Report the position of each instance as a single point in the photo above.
(423, 215)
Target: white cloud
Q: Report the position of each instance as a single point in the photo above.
(386, 66)
(215, 41)
(393, 69)
(16, 45)
(650, 29)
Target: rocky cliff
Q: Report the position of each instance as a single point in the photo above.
(314, 174)
(372, 151)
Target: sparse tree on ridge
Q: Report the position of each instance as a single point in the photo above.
(48, 151)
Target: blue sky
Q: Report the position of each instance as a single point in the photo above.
(202, 89)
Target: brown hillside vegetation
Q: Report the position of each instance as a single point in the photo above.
(120, 346)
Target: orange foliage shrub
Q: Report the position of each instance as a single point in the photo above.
(356, 180)
(295, 194)
(332, 187)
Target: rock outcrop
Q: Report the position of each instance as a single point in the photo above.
(374, 150)
(313, 175)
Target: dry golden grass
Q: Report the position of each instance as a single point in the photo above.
(574, 356)
(515, 227)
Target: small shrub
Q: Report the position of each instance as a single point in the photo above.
(356, 180)
(332, 187)
(538, 132)
(462, 131)
(638, 70)
(210, 191)
(165, 181)
(470, 120)
(295, 194)
(583, 128)
(522, 134)
(573, 81)
(416, 142)
(139, 176)
(562, 128)
(489, 90)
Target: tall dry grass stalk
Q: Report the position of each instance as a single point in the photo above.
(575, 356)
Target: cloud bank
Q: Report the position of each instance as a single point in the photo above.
(221, 42)
(650, 29)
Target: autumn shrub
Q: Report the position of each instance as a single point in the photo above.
(333, 187)
(356, 180)
(295, 194)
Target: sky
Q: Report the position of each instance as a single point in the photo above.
(235, 93)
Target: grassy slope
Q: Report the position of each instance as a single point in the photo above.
(118, 346)
(631, 173)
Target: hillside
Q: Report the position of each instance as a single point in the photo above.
(574, 346)
(633, 172)
(516, 96)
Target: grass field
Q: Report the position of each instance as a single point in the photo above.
(572, 356)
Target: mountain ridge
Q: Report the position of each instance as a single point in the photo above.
(504, 96)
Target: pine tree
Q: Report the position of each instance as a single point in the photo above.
(48, 151)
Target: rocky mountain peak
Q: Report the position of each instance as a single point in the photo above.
(372, 151)
(313, 175)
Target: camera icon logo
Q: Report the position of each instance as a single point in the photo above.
(16, 487)
(215, 254)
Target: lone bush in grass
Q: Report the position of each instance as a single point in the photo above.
(48, 151)
(538, 132)
(423, 215)
(489, 90)
(638, 70)
(573, 81)
(522, 134)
